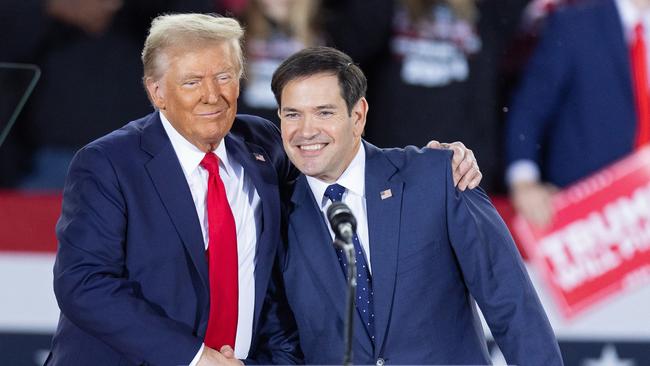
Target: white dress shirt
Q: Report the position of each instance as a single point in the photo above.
(246, 208)
(525, 170)
(630, 17)
(354, 179)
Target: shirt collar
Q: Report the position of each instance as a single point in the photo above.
(353, 179)
(631, 16)
(189, 155)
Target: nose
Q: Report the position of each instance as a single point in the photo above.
(308, 128)
(210, 92)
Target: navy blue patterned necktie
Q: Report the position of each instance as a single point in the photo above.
(364, 282)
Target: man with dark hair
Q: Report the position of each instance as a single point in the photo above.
(426, 253)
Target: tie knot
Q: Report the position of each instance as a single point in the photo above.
(335, 192)
(210, 163)
(638, 30)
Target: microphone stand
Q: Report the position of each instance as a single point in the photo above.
(348, 249)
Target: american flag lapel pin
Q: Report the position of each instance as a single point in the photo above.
(386, 194)
(259, 157)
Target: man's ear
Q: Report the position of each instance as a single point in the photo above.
(359, 113)
(155, 92)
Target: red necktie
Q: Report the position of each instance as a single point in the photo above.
(641, 93)
(222, 261)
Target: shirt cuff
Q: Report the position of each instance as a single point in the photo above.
(196, 358)
(522, 171)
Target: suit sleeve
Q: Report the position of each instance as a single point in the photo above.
(497, 279)
(91, 281)
(544, 84)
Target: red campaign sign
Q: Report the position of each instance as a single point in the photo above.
(599, 241)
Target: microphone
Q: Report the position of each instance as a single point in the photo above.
(342, 221)
(344, 225)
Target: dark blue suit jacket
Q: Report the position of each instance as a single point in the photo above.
(574, 112)
(131, 276)
(433, 251)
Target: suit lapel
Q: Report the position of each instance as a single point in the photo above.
(384, 206)
(315, 244)
(170, 183)
(261, 172)
(314, 241)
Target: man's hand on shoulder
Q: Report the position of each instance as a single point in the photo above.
(463, 164)
(212, 357)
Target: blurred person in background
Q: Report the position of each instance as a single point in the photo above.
(433, 68)
(583, 102)
(275, 29)
(88, 53)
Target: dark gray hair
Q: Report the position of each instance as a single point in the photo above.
(317, 60)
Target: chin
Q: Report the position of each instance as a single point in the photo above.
(214, 133)
(310, 170)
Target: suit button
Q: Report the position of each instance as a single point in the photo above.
(380, 362)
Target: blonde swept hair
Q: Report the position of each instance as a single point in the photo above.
(173, 30)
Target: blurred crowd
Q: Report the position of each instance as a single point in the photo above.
(544, 92)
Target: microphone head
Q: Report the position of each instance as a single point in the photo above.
(339, 215)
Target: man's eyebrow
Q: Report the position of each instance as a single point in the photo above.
(326, 106)
(190, 75)
(320, 107)
(194, 75)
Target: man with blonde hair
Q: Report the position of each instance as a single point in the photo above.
(167, 236)
(131, 275)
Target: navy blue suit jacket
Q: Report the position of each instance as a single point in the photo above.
(131, 276)
(574, 112)
(433, 250)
